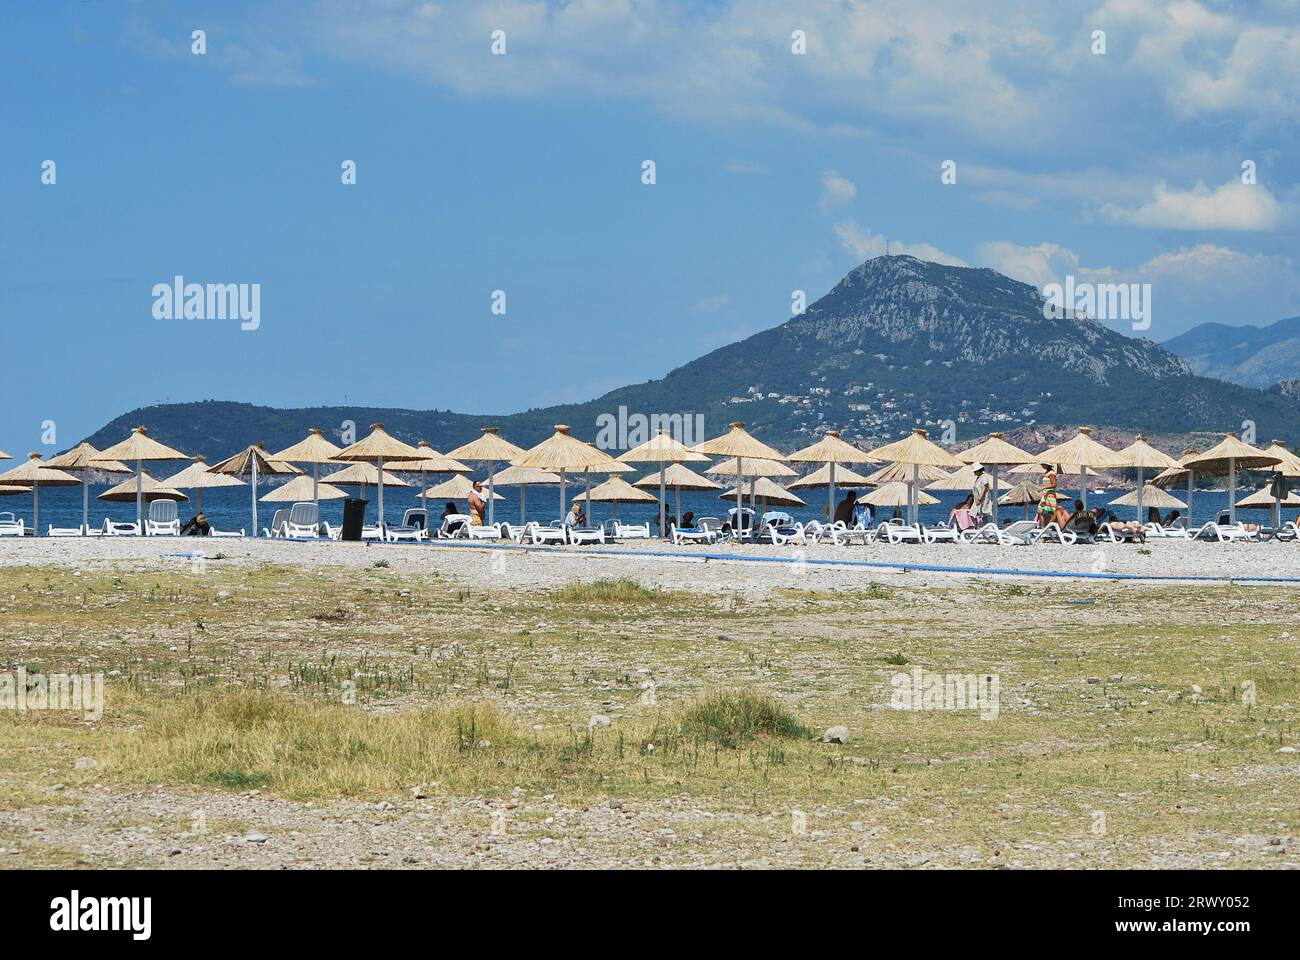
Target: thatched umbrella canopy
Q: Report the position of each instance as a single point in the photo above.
(1229, 455)
(1269, 496)
(198, 477)
(434, 462)
(1025, 493)
(1150, 496)
(138, 448)
(751, 467)
(523, 478)
(614, 466)
(148, 487)
(897, 494)
(904, 473)
(677, 476)
(34, 474)
(831, 450)
(5, 456)
(963, 479)
(1076, 455)
(995, 453)
(614, 491)
(7, 490)
(738, 444)
(81, 460)
(313, 449)
(562, 452)
(303, 489)
(916, 450)
(490, 448)
(250, 462)
(769, 491)
(457, 488)
(363, 475)
(1180, 474)
(1288, 466)
(379, 447)
(1145, 457)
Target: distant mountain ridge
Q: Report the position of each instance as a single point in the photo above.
(1249, 355)
(896, 343)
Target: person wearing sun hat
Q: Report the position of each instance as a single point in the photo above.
(981, 495)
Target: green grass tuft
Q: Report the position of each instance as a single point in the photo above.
(732, 719)
(621, 590)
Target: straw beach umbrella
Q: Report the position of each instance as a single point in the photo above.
(1288, 467)
(821, 477)
(457, 488)
(770, 492)
(250, 462)
(663, 449)
(1150, 496)
(523, 478)
(1268, 497)
(313, 449)
(738, 444)
(898, 494)
(148, 487)
(490, 448)
(1168, 478)
(562, 452)
(138, 448)
(614, 466)
(616, 490)
(362, 475)
(1025, 492)
(963, 479)
(1230, 454)
(751, 468)
(434, 462)
(1145, 457)
(34, 473)
(198, 477)
(80, 460)
(1080, 452)
(995, 452)
(832, 450)
(378, 448)
(301, 489)
(916, 451)
(903, 473)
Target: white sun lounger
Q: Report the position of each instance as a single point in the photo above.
(70, 532)
(540, 534)
(118, 528)
(1156, 531)
(162, 520)
(228, 534)
(486, 531)
(684, 535)
(1020, 533)
(279, 524)
(841, 534)
(941, 533)
(781, 535)
(632, 531)
(1225, 533)
(10, 527)
(586, 534)
(896, 532)
(302, 522)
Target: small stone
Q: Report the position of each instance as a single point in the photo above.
(86, 763)
(1287, 750)
(1094, 679)
(223, 594)
(254, 837)
(597, 720)
(175, 852)
(1116, 678)
(1196, 689)
(836, 735)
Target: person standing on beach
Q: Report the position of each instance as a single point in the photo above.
(476, 503)
(981, 496)
(844, 511)
(1047, 505)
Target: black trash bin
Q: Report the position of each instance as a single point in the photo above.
(354, 517)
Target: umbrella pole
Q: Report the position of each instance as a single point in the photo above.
(830, 499)
(1189, 500)
(1232, 490)
(1140, 479)
(492, 466)
(740, 483)
(1277, 501)
(523, 492)
(36, 508)
(315, 487)
(563, 483)
(1083, 486)
(139, 499)
(663, 506)
(996, 493)
(913, 507)
(677, 509)
(85, 504)
(381, 497)
(255, 498)
(587, 476)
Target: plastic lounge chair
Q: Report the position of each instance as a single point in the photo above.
(227, 534)
(941, 533)
(412, 527)
(553, 534)
(162, 520)
(841, 534)
(482, 531)
(895, 531)
(632, 531)
(684, 535)
(1224, 532)
(781, 535)
(1052, 533)
(54, 531)
(453, 526)
(1019, 533)
(10, 527)
(118, 528)
(586, 534)
(303, 522)
(279, 524)
(515, 532)
(1156, 531)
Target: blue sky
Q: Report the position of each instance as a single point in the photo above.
(522, 172)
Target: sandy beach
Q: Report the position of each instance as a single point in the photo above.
(751, 569)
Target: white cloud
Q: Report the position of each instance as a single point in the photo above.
(836, 191)
(1232, 206)
(863, 245)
